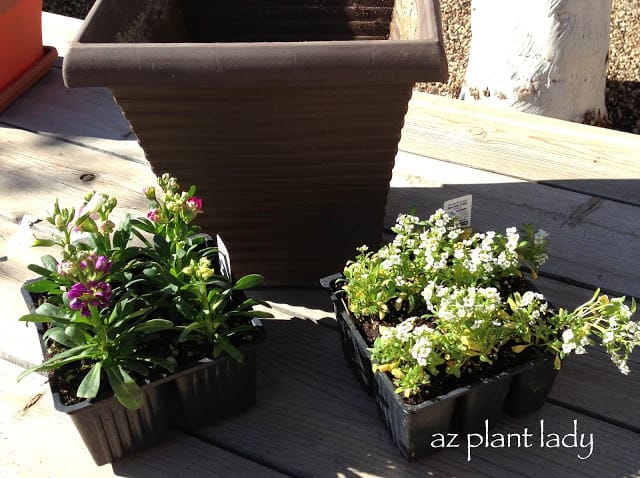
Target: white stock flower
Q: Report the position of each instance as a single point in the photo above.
(540, 236)
(94, 205)
(568, 343)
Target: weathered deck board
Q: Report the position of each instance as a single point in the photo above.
(26, 434)
(592, 240)
(578, 157)
(85, 116)
(37, 169)
(17, 342)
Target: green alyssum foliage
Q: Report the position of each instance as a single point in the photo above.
(120, 299)
(437, 289)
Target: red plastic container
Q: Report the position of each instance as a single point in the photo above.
(20, 37)
(23, 59)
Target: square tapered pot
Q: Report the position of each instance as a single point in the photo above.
(287, 115)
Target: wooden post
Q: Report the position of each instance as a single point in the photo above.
(546, 57)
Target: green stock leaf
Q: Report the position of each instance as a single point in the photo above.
(153, 325)
(151, 271)
(40, 286)
(51, 311)
(49, 262)
(137, 367)
(122, 234)
(39, 318)
(261, 314)
(90, 385)
(228, 347)
(139, 313)
(37, 242)
(161, 246)
(39, 270)
(185, 309)
(168, 363)
(58, 334)
(126, 390)
(128, 253)
(142, 224)
(171, 289)
(68, 356)
(250, 302)
(248, 281)
(186, 331)
(76, 334)
(244, 330)
(144, 239)
(75, 353)
(213, 293)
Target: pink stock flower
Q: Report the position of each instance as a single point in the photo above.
(195, 204)
(153, 215)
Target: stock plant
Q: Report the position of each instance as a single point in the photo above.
(121, 299)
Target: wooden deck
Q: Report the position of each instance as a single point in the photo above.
(580, 183)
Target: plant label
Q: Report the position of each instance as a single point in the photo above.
(223, 258)
(461, 208)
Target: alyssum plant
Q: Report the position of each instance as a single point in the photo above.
(133, 302)
(441, 303)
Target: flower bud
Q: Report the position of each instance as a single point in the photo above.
(59, 223)
(107, 227)
(150, 193)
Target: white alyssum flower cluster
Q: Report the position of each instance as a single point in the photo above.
(441, 293)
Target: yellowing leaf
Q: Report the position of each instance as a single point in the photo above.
(471, 344)
(519, 348)
(397, 373)
(386, 367)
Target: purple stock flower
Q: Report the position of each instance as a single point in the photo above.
(103, 264)
(96, 293)
(96, 263)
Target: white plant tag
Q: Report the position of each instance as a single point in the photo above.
(461, 208)
(223, 258)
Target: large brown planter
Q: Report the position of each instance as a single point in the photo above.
(287, 114)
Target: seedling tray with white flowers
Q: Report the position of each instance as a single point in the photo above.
(443, 327)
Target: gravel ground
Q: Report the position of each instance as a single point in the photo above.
(623, 78)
